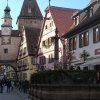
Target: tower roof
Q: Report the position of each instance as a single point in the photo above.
(30, 8)
(7, 12)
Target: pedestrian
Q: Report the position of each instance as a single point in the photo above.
(12, 85)
(1, 86)
(28, 98)
(8, 86)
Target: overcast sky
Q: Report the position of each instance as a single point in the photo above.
(16, 5)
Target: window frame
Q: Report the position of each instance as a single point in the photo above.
(96, 36)
(72, 43)
(82, 39)
(5, 50)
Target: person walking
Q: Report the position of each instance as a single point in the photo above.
(12, 85)
(8, 86)
(1, 86)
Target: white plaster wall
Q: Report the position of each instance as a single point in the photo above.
(47, 33)
(90, 48)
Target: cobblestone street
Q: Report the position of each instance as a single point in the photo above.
(15, 95)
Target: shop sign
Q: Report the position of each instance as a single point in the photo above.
(97, 51)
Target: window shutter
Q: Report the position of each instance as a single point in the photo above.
(94, 35)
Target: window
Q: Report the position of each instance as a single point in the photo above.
(76, 20)
(84, 39)
(20, 53)
(96, 35)
(42, 60)
(50, 24)
(46, 27)
(81, 40)
(5, 20)
(5, 50)
(24, 52)
(51, 58)
(89, 12)
(72, 43)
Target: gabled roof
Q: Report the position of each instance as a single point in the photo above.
(62, 18)
(30, 4)
(32, 36)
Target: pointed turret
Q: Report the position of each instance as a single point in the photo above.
(30, 8)
(6, 19)
(7, 12)
(30, 14)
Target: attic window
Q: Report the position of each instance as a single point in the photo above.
(76, 20)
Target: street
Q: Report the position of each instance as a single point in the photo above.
(14, 95)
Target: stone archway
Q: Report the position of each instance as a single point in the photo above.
(6, 72)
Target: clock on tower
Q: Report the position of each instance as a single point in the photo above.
(6, 31)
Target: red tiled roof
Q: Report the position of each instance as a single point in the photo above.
(62, 18)
(32, 36)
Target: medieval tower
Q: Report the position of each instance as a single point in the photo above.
(29, 23)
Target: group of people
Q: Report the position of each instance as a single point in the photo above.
(6, 84)
(23, 85)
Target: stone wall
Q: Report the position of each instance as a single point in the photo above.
(65, 92)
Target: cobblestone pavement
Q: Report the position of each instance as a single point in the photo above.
(14, 95)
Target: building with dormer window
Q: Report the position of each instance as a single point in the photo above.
(84, 38)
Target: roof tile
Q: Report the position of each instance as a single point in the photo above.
(62, 18)
(32, 36)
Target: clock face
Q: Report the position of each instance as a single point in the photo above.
(6, 40)
(6, 31)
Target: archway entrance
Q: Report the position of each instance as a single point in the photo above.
(8, 72)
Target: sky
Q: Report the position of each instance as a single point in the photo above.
(15, 6)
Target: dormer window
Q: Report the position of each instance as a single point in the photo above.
(89, 12)
(76, 20)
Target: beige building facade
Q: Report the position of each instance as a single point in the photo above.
(29, 23)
